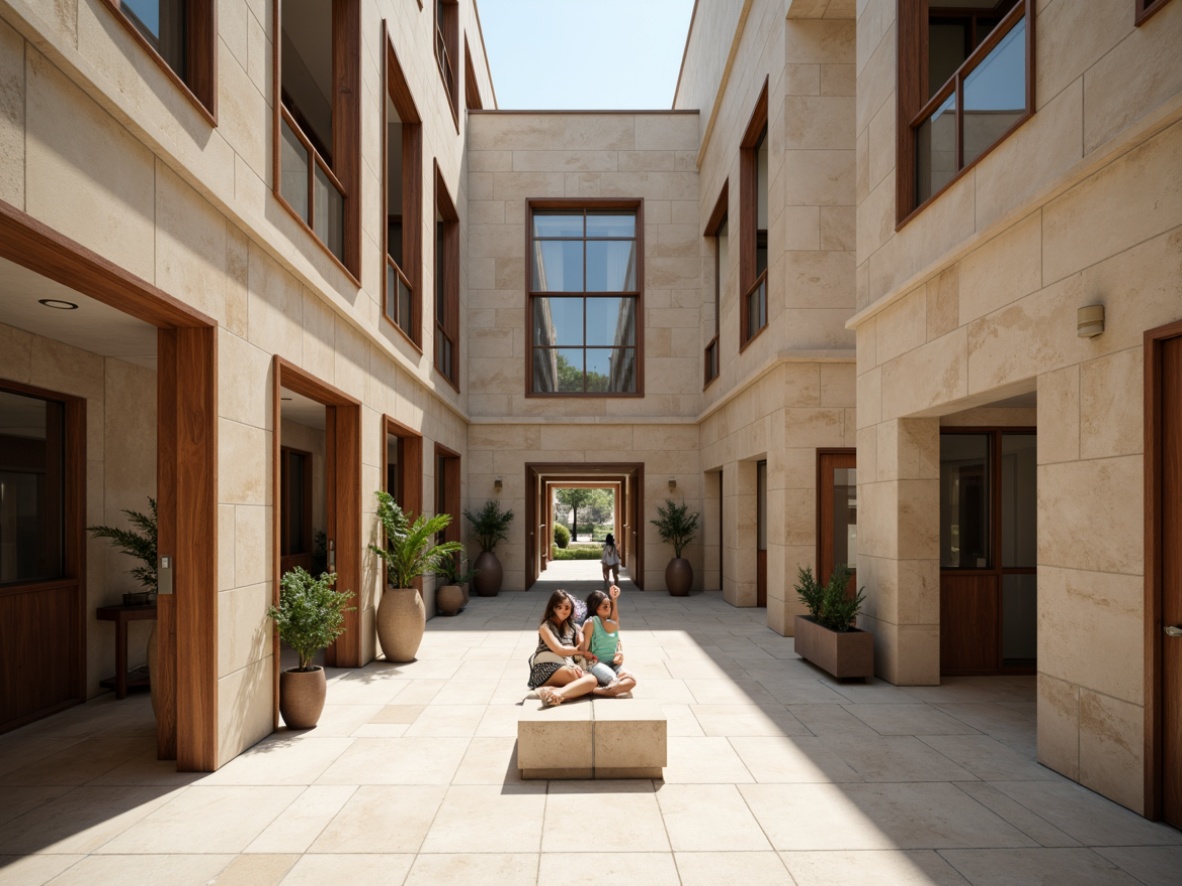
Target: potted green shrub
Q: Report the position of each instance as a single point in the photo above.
(309, 617)
(827, 636)
(677, 527)
(490, 525)
(451, 595)
(410, 552)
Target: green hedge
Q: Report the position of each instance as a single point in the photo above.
(561, 535)
(579, 553)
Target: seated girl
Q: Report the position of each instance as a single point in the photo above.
(601, 643)
(553, 672)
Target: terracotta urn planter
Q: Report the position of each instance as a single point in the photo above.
(449, 599)
(679, 577)
(844, 654)
(401, 620)
(301, 697)
(489, 575)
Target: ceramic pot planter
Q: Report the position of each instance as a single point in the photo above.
(401, 620)
(489, 575)
(844, 654)
(301, 697)
(449, 599)
(679, 577)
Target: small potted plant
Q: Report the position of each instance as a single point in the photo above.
(452, 595)
(490, 525)
(309, 617)
(827, 636)
(677, 527)
(410, 552)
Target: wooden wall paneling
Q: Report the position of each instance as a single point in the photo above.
(196, 549)
(38, 629)
(969, 623)
(346, 474)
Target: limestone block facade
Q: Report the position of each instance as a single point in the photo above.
(791, 305)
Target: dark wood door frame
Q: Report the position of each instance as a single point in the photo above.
(186, 476)
(835, 458)
(342, 502)
(760, 521)
(410, 464)
(1163, 783)
(628, 477)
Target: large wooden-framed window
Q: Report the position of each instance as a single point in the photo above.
(966, 81)
(716, 230)
(447, 52)
(447, 490)
(317, 122)
(1146, 8)
(403, 175)
(585, 279)
(471, 88)
(447, 283)
(180, 36)
(753, 209)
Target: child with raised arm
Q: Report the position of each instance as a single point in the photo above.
(601, 640)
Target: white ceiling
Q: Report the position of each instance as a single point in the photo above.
(93, 327)
(299, 409)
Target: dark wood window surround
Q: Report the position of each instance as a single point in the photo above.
(410, 271)
(447, 490)
(404, 479)
(198, 79)
(447, 53)
(637, 295)
(471, 88)
(917, 101)
(751, 278)
(714, 226)
(341, 161)
(1146, 8)
(447, 283)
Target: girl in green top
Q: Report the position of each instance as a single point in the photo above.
(601, 643)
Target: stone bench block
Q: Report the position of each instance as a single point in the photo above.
(604, 738)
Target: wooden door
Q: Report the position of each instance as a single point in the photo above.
(837, 512)
(533, 489)
(1170, 542)
(761, 533)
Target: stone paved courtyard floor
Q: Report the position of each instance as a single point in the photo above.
(777, 774)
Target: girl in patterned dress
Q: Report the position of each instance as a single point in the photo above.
(553, 672)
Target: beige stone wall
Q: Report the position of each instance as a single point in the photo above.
(120, 470)
(974, 301)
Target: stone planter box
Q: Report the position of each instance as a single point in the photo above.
(845, 655)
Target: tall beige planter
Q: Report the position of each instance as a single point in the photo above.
(401, 620)
(301, 697)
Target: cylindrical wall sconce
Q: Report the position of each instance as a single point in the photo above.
(497, 484)
(672, 483)
(1089, 321)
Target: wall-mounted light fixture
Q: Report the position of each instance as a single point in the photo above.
(497, 484)
(1089, 321)
(672, 483)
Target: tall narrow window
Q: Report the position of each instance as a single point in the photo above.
(753, 172)
(447, 491)
(716, 229)
(447, 52)
(471, 88)
(585, 285)
(317, 121)
(962, 99)
(180, 36)
(447, 284)
(404, 197)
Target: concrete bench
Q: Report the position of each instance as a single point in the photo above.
(600, 738)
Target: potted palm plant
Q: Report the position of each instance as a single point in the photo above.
(309, 617)
(490, 525)
(677, 527)
(827, 636)
(410, 551)
(452, 595)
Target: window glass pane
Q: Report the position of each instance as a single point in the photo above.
(1019, 507)
(610, 321)
(548, 224)
(623, 371)
(569, 363)
(946, 51)
(558, 266)
(611, 266)
(1019, 620)
(605, 224)
(964, 501)
(404, 310)
(757, 308)
(306, 76)
(329, 221)
(162, 22)
(935, 150)
(392, 283)
(293, 176)
(545, 370)
(845, 517)
(599, 369)
(32, 490)
(558, 321)
(995, 93)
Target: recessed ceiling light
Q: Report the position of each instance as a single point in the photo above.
(285, 398)
(57, 304)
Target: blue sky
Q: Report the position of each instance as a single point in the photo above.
(584, 54)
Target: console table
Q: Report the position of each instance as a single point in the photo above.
(121, 615)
